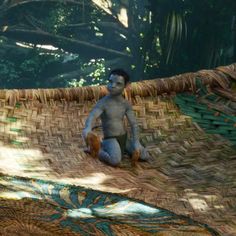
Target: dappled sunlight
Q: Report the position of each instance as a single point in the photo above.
(106, 5)
(123, 17)
(122, 208)
(18, 195)
(198, 204)
(201, 202)
(15, 161)
(17, 189)
(32, 162)
(30, 45)
(80, 213)
(48, 47)
(95, 181)
(21, 189)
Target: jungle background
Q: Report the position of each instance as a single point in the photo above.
(68, 43)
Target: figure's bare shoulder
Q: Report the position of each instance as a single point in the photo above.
(101, 104)
(128, 105)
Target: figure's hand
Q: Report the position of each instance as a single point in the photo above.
(137, 149)
(140, 152)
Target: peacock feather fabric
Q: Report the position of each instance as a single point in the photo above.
(37, 207)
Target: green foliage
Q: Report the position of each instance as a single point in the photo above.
(28, 71)
(192, 34)
(96, 77)
(163, 37)
(59, 17)
(8, 73)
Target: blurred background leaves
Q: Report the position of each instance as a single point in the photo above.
(69, 43)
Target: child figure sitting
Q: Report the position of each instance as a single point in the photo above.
(112, 109)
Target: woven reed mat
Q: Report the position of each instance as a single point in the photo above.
(190, 172)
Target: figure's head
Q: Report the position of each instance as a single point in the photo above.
(118, 80)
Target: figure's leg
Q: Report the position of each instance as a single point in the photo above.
(144, 154)
(110, 152)
(128, 147)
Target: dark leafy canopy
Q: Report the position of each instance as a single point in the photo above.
(149, 38)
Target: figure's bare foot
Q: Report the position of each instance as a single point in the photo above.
(93, 143)
(135, 157)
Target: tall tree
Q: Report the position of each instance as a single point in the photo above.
(149, 38)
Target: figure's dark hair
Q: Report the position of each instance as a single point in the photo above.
(122, 73)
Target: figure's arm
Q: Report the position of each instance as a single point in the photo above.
(93, 115)
(133, 123)
(138, 151)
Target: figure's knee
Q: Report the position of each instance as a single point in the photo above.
(115, 160)
(110, 152)
(114, 157)
(110, 158)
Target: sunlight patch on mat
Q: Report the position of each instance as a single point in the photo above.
(15, 161)
(95, 181)
(199, 201)
(18, 195)
(198, 204)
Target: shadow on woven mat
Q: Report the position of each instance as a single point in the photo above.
(37, 207)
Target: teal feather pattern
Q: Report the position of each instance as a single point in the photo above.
(88, 212)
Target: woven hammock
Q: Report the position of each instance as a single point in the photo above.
(220, 77)
(40, 138)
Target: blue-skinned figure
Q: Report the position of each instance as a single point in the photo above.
(112, 109)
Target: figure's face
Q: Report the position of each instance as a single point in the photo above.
(116, 84)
